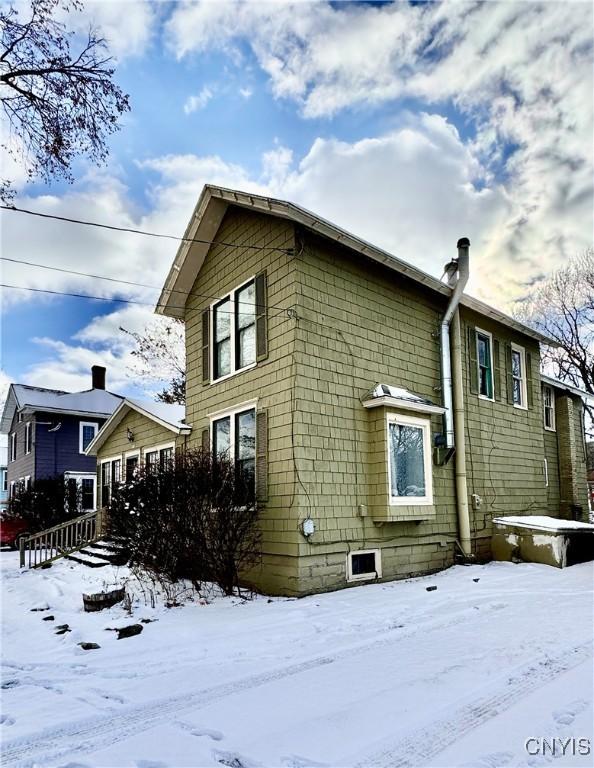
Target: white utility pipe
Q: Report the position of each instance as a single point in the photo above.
(459, 431)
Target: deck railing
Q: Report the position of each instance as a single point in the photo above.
(61, 540)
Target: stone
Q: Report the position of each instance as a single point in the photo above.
(47, 618)
(129, 631)
(89, 646)
(63, 631)
(431, 589)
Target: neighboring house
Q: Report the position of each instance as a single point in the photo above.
(49, 430)
(137, 432)
(315, 358)
(3, 478)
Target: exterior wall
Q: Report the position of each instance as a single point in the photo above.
(572, 457)
(147, 434)
(25, 462)
(505, 445)
(3, 493)
(552, 457)
(270, 381)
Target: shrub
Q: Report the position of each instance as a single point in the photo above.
(195, 518)
(46, 502)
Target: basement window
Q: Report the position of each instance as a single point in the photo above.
(364, 565)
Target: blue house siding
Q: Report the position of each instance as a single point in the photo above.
(58, 451)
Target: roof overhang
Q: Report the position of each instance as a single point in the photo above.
(10, 406)
(403, 405)
(208, 215)
(585, 396)
(116, 418)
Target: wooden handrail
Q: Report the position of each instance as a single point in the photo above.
(61, 540)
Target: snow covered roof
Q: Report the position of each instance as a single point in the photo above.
(208, 214)
(568, 387)
(91, 402)
(543, 523)
(170, 416)
(398, 397)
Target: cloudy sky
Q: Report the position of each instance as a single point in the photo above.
(410, 124)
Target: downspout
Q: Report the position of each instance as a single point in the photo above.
(454, 409)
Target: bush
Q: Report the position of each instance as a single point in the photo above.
(195, 518)
(45, 503)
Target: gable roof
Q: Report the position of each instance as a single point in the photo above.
(92, 402)
(170, 416)
(208, 215)
(585, 396)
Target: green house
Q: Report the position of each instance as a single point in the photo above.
(318, 359)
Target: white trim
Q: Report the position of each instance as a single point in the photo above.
(232, 321)
(523, 406)
(11, 489)
(130, 454)
(425, 425)
(112, 458)
(488, 335)
(81, 426)
(246, 406)
(27, 481)
(13, 445)
(404, 405)
(28, 438)
(158, 448)
(551, 389)
(546, 472)
(377, 574)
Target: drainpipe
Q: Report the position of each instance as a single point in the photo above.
(452, 390)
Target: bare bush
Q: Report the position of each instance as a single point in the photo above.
(46, 502)
(194, 518)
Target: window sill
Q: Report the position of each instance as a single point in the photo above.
(233, 373)
(488, 399)
(520, 407)
(550, 429)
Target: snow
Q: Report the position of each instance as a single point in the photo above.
(383, 674)
(170, 413)
(544, 523)
(387, 390)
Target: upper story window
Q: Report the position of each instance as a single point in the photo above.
(484, 353)
(87, 432)
(518, 373)
(4, 480)
(13, 446)
(234, 331)
(548, 406)
(28, 435)
(409, 460)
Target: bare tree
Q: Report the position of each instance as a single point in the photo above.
(160, 355)
(58, 104)
(562, 307)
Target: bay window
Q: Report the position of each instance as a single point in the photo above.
(409, 460)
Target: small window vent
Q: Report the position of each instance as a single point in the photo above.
(364, 565)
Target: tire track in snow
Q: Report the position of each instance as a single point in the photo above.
(424, 743)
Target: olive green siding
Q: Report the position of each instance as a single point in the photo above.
(355, 324)
(147, 434)
(270, 382)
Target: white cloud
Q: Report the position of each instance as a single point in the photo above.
(126, 25)
(246, 93)
(194, 103)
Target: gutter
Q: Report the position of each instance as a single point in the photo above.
(452, 388)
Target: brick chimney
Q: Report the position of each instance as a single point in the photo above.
(98, 376)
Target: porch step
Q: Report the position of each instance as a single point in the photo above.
(114, 556)
(89, 560)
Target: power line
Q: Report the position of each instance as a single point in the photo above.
(124, 282)
(133, 231)
(120, 301)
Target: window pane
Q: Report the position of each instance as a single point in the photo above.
(245, 300)
(87, 489)
(516, 363)
(151, 460)
(221, 436)
(517, 391)
(131, 465)
(222, 358)
(245, 435)
(88, 434)
(407, 467)
(166, 458)
(361, 564)
(222, 313)
(246, 346)
(482, 351)
(116, 471)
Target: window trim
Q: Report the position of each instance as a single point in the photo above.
(81, 426)
(489, 336)
(523, 406)
(27, 481)
(109, 461)
(28, 437)
(377, 574)
(233, 325)
(13, 446)
(4, 487)
(231, 414)
(156, 448)
(553, 427)
(425, 425)
(11, 489)
(79, 477)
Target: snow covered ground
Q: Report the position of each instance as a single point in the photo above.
(378, 675)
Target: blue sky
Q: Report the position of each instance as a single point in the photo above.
(409, 124)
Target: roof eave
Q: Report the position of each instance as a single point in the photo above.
(404, 405)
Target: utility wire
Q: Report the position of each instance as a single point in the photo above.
(120, 301)
(124, 282)
(144, 232)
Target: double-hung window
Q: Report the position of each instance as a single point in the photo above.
(13, 446)
(87, 432)
(548, 405)
(111, 474)
(518, 373)
(484, 353)
(233, 436)
(4, 480)
(234, 331)
(28, 440)
(409, 460)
